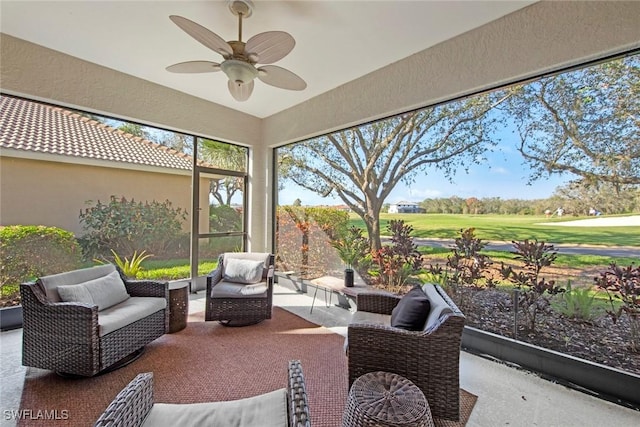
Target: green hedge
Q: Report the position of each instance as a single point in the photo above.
(30, 251)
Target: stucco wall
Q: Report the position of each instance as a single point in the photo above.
(35, 192)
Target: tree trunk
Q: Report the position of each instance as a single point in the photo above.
(373, 228)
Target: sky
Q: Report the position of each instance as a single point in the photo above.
(503, 175)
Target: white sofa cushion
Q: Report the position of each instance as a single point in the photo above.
(128, 311)
(265, 410)
(226, 289)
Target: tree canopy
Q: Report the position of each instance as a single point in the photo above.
(584, 122)
(224, 156)
(363, 164)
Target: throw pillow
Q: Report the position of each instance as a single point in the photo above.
(243, 270)
(104, 292)
(412, 311)
(75, 293)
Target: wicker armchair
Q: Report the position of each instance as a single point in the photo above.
(429, 358)
(133, 404)
(66, 336)
(239, 303)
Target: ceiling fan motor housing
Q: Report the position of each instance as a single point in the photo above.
(241, 7)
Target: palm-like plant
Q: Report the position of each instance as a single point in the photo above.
(352, 247)
(130, 267)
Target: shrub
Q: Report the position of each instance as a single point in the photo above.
(128, 226)
(224, 218)
(534, 290)
(623, 284)
(395, 264)
(304, 236)
(30, 251)
(576, 303)
(466, 266)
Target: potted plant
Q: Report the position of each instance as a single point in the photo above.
(353, 249)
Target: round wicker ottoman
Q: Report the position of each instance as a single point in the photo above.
(386, 399)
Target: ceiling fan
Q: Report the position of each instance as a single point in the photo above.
(240, 58)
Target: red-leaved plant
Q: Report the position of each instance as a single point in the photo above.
(394, 264)
(623, 284)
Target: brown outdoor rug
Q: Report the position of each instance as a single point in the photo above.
(209, 362)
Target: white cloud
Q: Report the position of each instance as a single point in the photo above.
(499, 170)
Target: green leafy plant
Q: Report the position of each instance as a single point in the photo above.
(395, 264)
(127, 226)
(352, 247)
(437, 276)
(30, 251)
(534, 290)
(224, 218)
(130, 267)
(623, 284)
(576, 303)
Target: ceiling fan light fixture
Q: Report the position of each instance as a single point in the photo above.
(239, 71)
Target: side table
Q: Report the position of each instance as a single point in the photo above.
(386, 399)
(178, 305)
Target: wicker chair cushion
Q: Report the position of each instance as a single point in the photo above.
(412, 311)
(127, 312)
(50, 283)
(226, 289)
(104, 292)
(243, 270)
(369, 318)
(439, 306)
(266, 410)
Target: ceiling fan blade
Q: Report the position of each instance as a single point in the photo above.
(269, 47)
(194, 67)
(240, 92)
(280, 77)
(203, 35)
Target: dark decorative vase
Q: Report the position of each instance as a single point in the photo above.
(348, 277)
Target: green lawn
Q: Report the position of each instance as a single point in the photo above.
(510, 227)
(172, 269)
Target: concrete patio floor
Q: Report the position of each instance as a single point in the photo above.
(506, 396)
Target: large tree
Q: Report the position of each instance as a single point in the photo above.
(362, 165)
(584, 122)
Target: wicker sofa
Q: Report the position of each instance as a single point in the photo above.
(87, 321)
(134, 406)
(240, 289)
(429, 357)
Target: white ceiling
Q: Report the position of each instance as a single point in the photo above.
(336, 41)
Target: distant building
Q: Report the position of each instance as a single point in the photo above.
(406, 207)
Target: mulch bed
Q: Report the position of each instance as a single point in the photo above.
(599, 341)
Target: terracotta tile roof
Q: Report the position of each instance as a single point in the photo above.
(36, 127)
